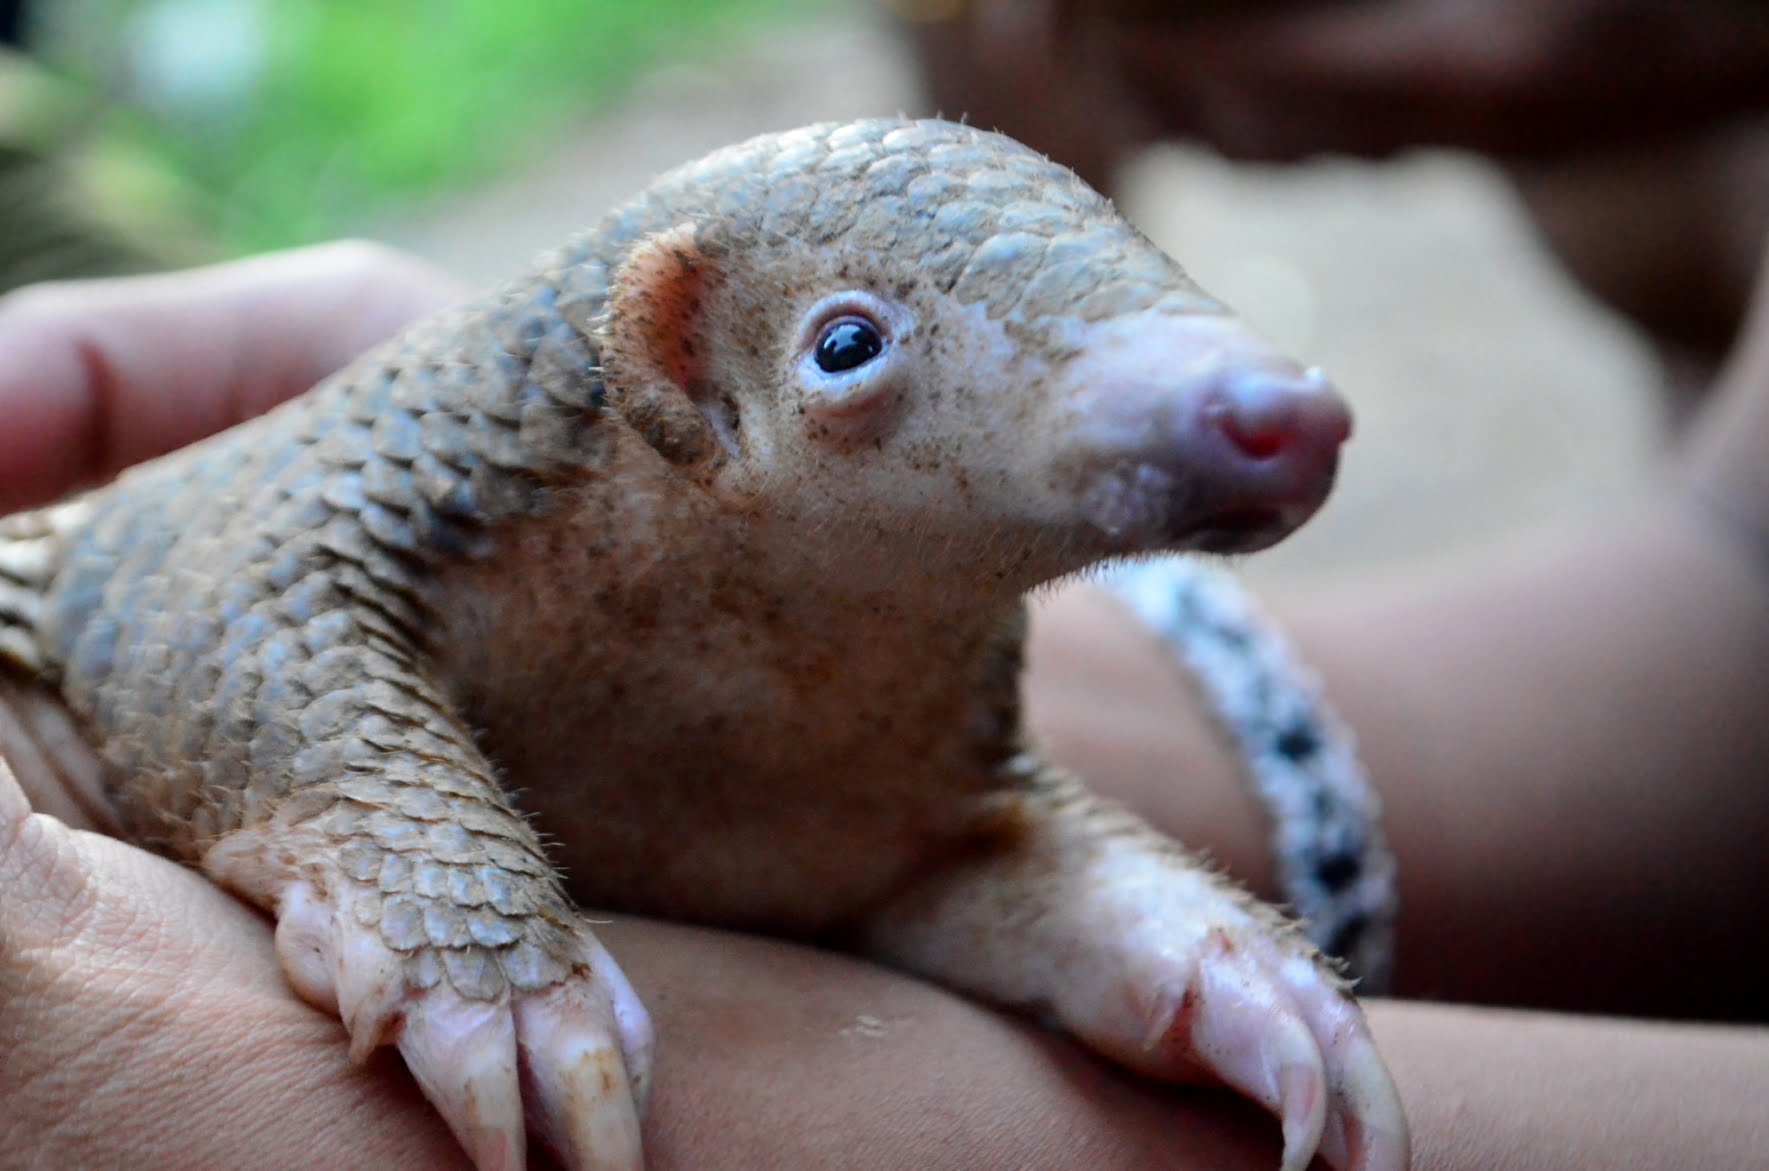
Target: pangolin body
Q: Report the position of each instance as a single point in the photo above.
(711, 533)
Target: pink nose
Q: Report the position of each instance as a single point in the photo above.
(1277, 439)
(1193, 433)
(1268, 416)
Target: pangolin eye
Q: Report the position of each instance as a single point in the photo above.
(847, 343)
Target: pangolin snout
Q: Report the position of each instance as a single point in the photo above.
(1268, 456)
(1191, 432)
(1270, 415)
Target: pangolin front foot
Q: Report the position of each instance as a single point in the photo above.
(1243, 1005)
(511, 1016)
(1085, 915)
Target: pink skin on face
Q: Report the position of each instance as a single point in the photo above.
(1191, 431)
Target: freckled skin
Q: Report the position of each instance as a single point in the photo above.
(743, 638)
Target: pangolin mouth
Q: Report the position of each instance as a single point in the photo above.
(1148, 508)
(1241, 530)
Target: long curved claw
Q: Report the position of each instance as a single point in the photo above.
(1246, 1030)
(1279, 1028)
(463, 1055)
(1302, 1106)
(583, 1079)
(1201, 986)
(1162, 966)
(570, 1060)
(1367, 1128)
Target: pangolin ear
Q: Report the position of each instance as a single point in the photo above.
(653, 353)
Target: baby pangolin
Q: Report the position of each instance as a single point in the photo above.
(710, 538)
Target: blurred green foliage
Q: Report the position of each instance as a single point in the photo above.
(349, 107)
(76, 203)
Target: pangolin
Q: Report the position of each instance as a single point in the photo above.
(710, 536)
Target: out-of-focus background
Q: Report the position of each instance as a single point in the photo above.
(1494, 394)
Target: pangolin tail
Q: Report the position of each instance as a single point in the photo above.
(31, 547)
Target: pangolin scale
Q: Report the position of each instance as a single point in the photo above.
(740, 622)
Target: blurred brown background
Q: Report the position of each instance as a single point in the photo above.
(1496, 397)
(1493, 395)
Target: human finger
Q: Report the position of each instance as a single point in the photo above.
(98, 375)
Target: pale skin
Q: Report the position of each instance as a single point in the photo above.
(107, 986)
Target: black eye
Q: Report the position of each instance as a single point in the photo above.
(846, 344)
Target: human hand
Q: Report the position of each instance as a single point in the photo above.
(145, 1019)
(145, 1023)
(1277, 81)
(99, 375)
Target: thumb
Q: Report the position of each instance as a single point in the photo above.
(44, 890)
(59, 883)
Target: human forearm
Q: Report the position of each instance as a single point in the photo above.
(1563, 737)
(1491, 1090)
(1570, 737)
(182, 1049)
(1566, 740)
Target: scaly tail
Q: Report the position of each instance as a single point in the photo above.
(1333, 865)
(31, 547)
(39, 738)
